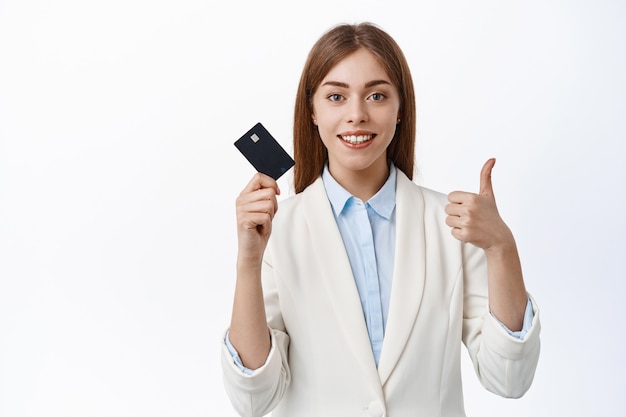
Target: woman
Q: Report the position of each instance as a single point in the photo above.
(359, 302)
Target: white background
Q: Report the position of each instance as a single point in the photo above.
(118, 178)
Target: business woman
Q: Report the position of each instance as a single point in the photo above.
(358, 303)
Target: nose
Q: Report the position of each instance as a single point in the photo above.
(357, 112)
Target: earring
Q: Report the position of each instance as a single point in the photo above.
(398, 121)
(315, 122)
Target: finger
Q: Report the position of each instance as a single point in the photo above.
(260, 181)
(268, 207)
(454, 222)
(459, 234)
(256, 195)
(256, 220)
(486, 187)
(459, 197)
(454, 210)
(261, 201)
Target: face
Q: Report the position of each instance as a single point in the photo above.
(356, 109)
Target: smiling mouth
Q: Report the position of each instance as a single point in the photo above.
(356, 139)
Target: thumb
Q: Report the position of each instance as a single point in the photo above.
(485, 178)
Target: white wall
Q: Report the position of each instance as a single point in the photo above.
(118, 178)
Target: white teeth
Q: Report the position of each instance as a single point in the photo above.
(355, 140)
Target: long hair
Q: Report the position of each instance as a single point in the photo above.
(310, 153)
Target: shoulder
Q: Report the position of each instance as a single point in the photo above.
(313, 192)
(430, 198)
(298, 205)
(298, 218)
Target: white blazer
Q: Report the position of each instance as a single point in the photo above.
(321, 363)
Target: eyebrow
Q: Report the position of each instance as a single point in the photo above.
(367, 85)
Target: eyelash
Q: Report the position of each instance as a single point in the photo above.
(336, 98)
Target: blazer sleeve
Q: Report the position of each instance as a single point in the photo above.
(505, 365)
(258, 394)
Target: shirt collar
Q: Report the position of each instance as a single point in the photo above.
(383, 202)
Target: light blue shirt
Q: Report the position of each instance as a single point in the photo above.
(368, 230)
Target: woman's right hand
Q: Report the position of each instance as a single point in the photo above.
(256, 207)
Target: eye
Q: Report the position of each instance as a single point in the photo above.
(377, 96)
(335, 98)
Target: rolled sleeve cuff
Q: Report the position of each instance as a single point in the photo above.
(528, 321)
(236, 359)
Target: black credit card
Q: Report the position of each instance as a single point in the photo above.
(264, 152)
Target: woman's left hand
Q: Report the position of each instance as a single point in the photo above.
(474, 218)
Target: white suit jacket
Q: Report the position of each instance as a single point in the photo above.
(321, 363)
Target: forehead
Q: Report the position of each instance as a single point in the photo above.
(357, 68)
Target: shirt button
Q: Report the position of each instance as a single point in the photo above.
(376, 409)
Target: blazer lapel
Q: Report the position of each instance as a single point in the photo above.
(409, 274)
(337, 275)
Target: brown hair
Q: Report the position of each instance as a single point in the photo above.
(310, 153)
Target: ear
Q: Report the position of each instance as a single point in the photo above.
(314, 119)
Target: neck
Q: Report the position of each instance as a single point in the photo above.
(362, 184)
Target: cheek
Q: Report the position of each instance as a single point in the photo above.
(327, 135)
(325, 114)
(394, 113)
(389, 122)
(327, 125)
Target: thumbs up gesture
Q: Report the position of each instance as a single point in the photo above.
(474, 218)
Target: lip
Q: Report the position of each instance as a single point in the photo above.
(356, 138)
